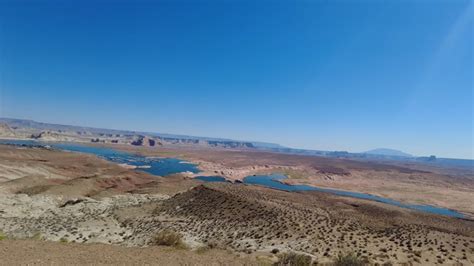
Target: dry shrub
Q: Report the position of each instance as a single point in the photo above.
(168, 238)
(203, 249)
(293, 259)
(349, 259)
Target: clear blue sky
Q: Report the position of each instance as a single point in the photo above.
(329, 75)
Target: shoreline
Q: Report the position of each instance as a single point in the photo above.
(237, 174)
(204, 212)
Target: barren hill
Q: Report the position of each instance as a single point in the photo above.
(249, 219)
(6, 131)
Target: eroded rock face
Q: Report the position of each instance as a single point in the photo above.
(243, 218)
(144, 141)
(138, 141)
(52, 136)
(50, 132)
(231, 144)
(151, 142)
(78, 219)
(6, 131)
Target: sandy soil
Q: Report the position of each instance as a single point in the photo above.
(35, 171)
(251, 219)
(409, 183)
(70, 197)
(33, 252)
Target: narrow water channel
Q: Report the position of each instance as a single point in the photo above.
(167, 166)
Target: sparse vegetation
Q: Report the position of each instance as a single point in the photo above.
(214, 244)
(2, 236)
(34, 190)
(293, 259)
(295, 174)
(203, 249)
(349, 259)
(37, 236)
(233, 218)
(168, 238)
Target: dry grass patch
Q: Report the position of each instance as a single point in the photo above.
(293, 259)
(349, 259)
(2, 236)
(168, 238)
(295, 174)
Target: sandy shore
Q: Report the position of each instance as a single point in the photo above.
(407, 183)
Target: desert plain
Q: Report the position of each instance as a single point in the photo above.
(58, 206)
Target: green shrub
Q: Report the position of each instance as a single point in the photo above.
(2, 236)
(348, 259)
(293, 259)
(168, 238)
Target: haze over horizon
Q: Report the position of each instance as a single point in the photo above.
(377, 150)
(319, 75)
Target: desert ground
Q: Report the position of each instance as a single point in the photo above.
(69, 208)
(406, 182)
(30, 252)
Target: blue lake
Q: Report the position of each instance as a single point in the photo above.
(272, 181)
(211, 178)
(167, 166)
(155, 166)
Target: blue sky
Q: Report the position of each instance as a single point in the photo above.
(328, 75)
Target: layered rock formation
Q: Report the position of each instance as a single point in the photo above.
(6, 131)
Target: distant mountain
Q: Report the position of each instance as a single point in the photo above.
(266, 145)
(40, 130)
(29, 129)
(388, 152)
(23, 123)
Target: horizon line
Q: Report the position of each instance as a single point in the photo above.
(231, 139)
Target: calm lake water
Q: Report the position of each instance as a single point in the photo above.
(167, 166)
(211, 178)
(155, 166)
(272, 181)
